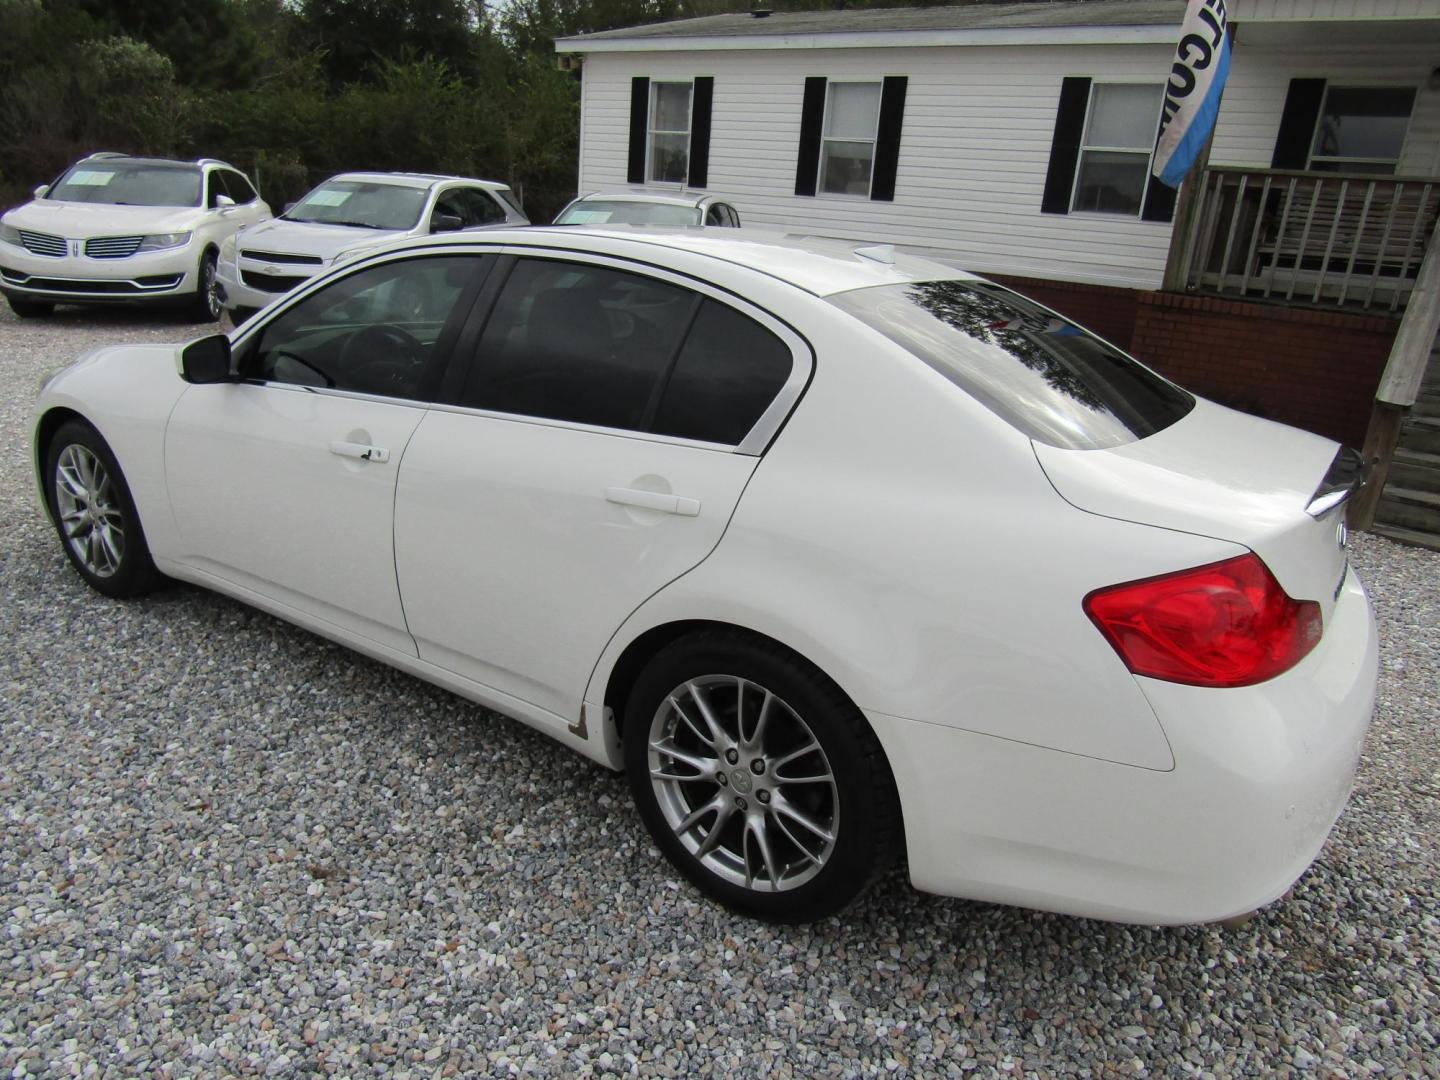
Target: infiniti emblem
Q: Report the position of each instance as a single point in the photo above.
(740, 780)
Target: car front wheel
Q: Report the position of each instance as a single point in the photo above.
(206, 306)
(758, 778)
(95, 514)
(30, 309)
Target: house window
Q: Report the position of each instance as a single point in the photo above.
(1362, 129)
(847, 147)
(669, 132)
(1115, 150)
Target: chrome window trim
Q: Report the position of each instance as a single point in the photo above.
(336, 392)
(590, 429)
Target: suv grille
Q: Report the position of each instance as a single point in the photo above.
(270, 282)
(39, 243)
(282, 257)
(112, 247)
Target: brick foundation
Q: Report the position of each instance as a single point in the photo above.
(1312, 368)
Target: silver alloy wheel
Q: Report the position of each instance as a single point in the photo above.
(210, 286)
(743, 782)
(89, 510)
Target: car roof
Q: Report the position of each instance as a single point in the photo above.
(128, 159)
(638, 194)
(419, 180)
(819, 265)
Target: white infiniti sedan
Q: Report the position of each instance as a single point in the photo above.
(841, 556)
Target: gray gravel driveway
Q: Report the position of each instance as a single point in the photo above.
(231, 848)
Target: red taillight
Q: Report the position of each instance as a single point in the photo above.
(1227, 624)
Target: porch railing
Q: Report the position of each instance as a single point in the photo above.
(1308, 237)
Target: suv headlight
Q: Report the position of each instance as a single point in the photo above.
(161, 241)
(10, 234)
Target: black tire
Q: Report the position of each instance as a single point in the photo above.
(816, 877)
(107, 546)
(206, 307)
(30, 309)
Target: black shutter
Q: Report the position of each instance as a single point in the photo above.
(700, 100)
(1297, 124)
(639, 115)
(812, 115)
(887, 138)
(1065, 146)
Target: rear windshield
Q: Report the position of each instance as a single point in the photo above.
(128, 183)
(361, 203)
(1057, 383)
(626, 212)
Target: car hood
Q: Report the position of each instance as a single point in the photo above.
(80, 220)
(305, 238)
(1219, 473)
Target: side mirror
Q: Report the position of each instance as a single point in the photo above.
(207, 361)
(445, 223)
(41, 190)
(223, 202)
(288, 207)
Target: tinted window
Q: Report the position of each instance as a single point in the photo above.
(729, 371)
(473, 208)
(238, 188)
(1054, 381)
(373, 332)
(214, 188)
(581, 343)
(130, 183)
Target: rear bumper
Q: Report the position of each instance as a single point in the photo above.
(1261, 774)
(163, 276)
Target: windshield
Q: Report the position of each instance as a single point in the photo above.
(364, 203)
(1057, 383)
(626, 212)
(129, 183)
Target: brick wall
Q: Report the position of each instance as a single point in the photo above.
(1312, 368)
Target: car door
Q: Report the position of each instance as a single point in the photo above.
(284, 483)
(600, 425)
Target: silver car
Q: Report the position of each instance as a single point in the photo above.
(643, 206)
(346, 215)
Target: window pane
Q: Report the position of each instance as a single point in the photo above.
(845, 167)
(1124, 115)
(628, 212)
(362, 203)
(239, 188)
(671, 107)
(1046, 376)
(729, 371)
(581, 343)
(854, 110)
(1364, 122)
(372, 332)
(1112, 182)
(669, 158)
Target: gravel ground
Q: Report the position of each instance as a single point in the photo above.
(233, 848)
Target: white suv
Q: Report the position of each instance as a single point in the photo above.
(120, 229)
(349, 214)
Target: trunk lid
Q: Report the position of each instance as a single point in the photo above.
(1221, 473)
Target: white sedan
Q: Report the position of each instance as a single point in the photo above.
(841, 556)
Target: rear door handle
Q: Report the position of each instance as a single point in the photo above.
(362, 451)
(654, 500)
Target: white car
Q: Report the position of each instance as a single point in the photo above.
(347, 215)
(119, 229)
(649, 206)
(839, 555)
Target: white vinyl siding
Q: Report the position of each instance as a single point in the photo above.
(976, 145)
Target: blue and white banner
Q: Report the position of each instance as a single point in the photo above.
(1192, 94)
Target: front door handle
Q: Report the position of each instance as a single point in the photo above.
(654, 500)
(362, 451)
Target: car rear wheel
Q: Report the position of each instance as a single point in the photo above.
(95, 514)
(758, 778)
(30, 309)
(206, 306)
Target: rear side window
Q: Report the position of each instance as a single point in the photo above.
(1054, 381)
(729, 370)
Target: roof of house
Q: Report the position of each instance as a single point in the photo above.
(980, 19)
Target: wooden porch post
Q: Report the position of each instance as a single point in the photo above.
(1400, 384)
(1177, 260)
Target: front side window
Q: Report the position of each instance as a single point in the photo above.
(373, 332)
(669, 133)
(1362, 129)
(600, 346)
(473, 208)
(237, 187)
(1115, 151)
(847, 146)
(363, 204)
(129, 183)
(1045, 376)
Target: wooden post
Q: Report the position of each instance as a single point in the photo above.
(1400, 384)
(1187, 205)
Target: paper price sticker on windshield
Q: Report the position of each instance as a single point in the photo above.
(328, 198)
(88, 178)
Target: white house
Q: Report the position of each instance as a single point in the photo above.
(1014, 138)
